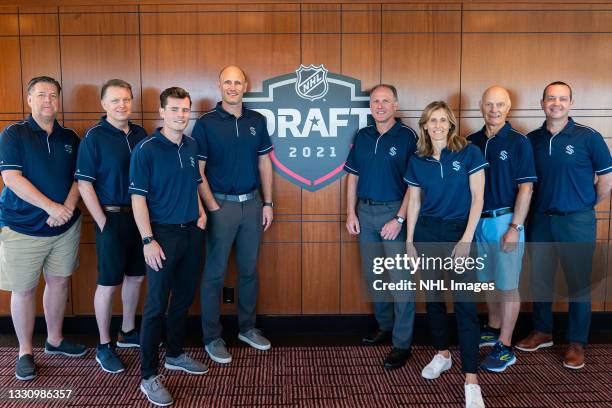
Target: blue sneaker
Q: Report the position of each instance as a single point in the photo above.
(488, 337)
(499, 358)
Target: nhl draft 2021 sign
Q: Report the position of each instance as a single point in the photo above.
(312, 116)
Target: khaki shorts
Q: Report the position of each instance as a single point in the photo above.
(23, 256)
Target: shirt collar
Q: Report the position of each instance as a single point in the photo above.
(503, 132)
(164, 140)
(393, 130)
(107, 125)
(226, 115)
(567, 129)
(36, 128)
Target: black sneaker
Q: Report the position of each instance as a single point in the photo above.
(108, 359)
(66, 348)
(25, 369)
(396, 358)
(129, 339)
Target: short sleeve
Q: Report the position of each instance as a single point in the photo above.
(140, 173)
(86, 160)
(525, 164)
(11, 157)
(476, 160)
(265, 144)
(600, 155)
(351, 166)
(410, 175)
(199, 134)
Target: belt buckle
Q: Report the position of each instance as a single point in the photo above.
(243, 197)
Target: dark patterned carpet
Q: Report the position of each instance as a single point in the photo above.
(318, 377)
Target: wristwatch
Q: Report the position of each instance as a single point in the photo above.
(148, 240)
(399, 219)
(270, 204)
(518, 227)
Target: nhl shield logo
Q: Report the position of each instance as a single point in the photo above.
(311, 138)
(311, 82)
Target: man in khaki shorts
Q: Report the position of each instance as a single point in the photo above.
(41, 225)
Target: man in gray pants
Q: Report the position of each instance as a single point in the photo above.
(234, 162)
(376, 208)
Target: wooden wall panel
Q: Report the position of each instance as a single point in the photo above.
(10, 75)
(309, 263)
(423, 67)
(280, 283)
(542, 58)
(537, 21)
(98, 24)
(321, 278)
(354, 298)
(38, 24)
(194, 62)
(89, 61)
(421, 21)
(9, 24)
(361, 18)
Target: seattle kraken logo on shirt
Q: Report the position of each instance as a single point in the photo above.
(503, 155)
(456, 165)
(68, 148)
(392, 151)
(192, 161)
(569, 149)
(252, 130)
(312, 116)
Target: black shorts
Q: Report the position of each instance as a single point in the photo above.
(119, 249)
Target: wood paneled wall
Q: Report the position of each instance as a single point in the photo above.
(308, 263)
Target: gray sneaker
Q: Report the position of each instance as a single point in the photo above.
(254, 338)
(185, 363)
(155, 391)
(218, 352)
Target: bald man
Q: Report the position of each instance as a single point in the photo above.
(500, 233)
(234, 164)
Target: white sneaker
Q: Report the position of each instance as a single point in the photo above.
(438, 365)
(473, 396)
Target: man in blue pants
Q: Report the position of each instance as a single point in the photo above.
(500, 233)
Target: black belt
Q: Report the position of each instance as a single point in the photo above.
(564, 213)
(374, 202)
(185, 225)
(238, 198)
(117, 209)
(496, 213)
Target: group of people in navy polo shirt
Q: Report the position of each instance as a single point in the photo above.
(153, 198)
(438, 187)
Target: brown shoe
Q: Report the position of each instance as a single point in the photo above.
(534, 341)
(574, 356)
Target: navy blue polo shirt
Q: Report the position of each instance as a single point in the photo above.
(168, 175)
(510, 157)
(230, 147)
(566, 164)
(381, 161)
(445, 183)
(48, 162)
(104, 160)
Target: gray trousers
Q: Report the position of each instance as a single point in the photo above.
(239, 223)
(393, 312)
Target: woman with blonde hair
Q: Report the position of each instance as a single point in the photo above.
(446, 194)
